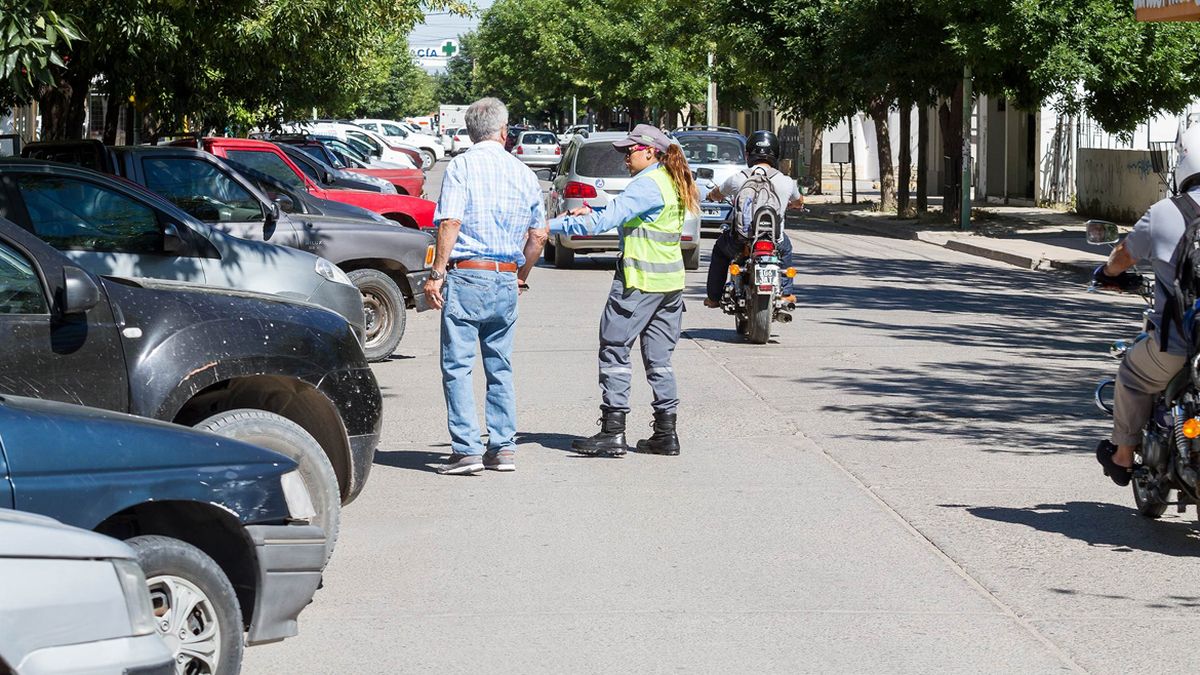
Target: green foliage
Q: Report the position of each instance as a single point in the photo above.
(456, 86)
(33, 43)
(537, 54)
(402, 89)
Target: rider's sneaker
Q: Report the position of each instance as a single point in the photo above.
(787, 298)
(711, 304)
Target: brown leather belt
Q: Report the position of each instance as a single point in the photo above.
(491, 265)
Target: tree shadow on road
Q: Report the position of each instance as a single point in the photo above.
(1111, 526)
(1025, 385)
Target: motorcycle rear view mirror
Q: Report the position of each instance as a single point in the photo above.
(1102, 232)
(704, 174)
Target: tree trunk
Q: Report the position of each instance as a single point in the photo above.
(905, 158)
(922, 158)
(950, 117)
(816, 165)
(112, 116)
(64, 106)
(883, 143)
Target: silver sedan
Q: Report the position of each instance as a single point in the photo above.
(538, 148)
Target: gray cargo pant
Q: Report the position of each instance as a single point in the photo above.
(1144, 373)
(655, 318)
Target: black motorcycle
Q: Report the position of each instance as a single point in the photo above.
(1169, 457)
(755, 275)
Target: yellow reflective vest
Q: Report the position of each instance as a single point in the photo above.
(652, 259)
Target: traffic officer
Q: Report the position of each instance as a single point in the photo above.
(646, 299)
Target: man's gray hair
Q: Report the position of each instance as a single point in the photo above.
(485, 119)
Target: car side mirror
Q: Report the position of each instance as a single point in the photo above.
(80, 292)
(1101, 232)
(173, 240)
(285, 204)
(705, 174)
(327, 178)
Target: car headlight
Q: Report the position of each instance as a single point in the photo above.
(295, 493)
(332, 272)
(388, 188)
(137, 597)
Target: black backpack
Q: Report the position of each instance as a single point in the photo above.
(1180, 310)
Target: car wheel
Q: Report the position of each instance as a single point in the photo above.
(427, 159)
(195, 608)
(279, 434)
(384, 306)
(691, 259)
(564, 257)
(549, 252)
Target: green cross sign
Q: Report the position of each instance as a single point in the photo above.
(448, 48)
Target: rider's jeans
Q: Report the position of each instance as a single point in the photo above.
(1144, 373)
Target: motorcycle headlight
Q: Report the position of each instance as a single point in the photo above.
(137, 597)
(332, 272)
(295, 493)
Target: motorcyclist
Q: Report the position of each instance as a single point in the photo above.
(1151, 364)
(762, 150)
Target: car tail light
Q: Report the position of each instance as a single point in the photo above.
(686, 237)
(577, 190)
(520, 150)
(764, 247)
(557, 150)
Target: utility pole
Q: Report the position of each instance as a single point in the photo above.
(853, 162)
(965, 205)
(574, 110)
(711, 117)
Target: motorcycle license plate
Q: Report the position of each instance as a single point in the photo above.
(766, 277)
(710, 213)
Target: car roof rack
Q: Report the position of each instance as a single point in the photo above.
(705, 127)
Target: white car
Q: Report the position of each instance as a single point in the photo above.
(460, 141)
(74, 602)
(428, 144)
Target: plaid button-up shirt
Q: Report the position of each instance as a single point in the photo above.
(496, 198)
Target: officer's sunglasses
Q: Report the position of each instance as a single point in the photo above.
(634, 148)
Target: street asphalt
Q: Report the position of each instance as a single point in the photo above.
(901, 481)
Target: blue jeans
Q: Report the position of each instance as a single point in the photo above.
(481, 307)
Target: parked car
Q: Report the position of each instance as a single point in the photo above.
(112, 226)
(430, 148)
(593, 171)
(460, 141)
(510, 138)
(220, 528)
(387, 264)
(73, 602)
(577, 130)
(537, 148)
(714, 153)
(271, 160)
(288, 376)
(329, 170)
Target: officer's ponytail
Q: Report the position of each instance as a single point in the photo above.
(677, 166)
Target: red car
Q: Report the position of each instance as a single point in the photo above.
(266, 157)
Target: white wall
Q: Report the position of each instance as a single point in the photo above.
(1116, 185)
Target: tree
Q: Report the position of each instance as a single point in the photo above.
(456, 86)
(402, 89)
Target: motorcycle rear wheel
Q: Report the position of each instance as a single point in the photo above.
(759, 329)
(1151, 502)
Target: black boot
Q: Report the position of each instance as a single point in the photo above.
(663, 441)
(610, 442)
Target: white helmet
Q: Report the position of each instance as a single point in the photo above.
(1187, 149)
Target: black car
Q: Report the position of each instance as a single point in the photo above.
(287, 376)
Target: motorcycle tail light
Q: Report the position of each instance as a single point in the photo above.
(734, 270)
(1191, 428)
(764, 247)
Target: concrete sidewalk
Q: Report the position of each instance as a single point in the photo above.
(1027, 237)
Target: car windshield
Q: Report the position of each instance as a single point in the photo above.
(712, 150)
(600, 160)
(538, 139)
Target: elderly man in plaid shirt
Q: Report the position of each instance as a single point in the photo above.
(491, 230)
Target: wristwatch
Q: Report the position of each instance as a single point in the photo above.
(436, 275)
